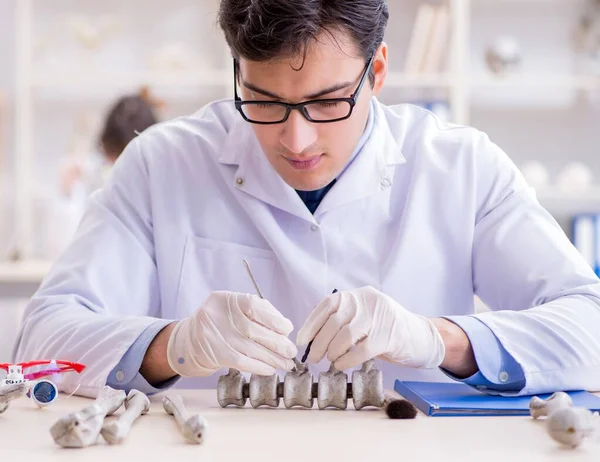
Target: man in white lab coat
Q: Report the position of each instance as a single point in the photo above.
(319, 187)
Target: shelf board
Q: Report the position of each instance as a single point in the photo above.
(536, 81)
(24, 271)
(151, 78)
(403, 80)
(555, 200)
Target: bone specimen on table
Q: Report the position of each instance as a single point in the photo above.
(193, 427)
(232, 389)
(11, 392)
(570, 426)
(367, 386)
(298, 387)
(136, 405)
(539, 407)
(263, 390)
(332, 389)
(81, 429)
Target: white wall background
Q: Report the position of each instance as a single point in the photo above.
(9, 306)
(6, 125)
(549, 125)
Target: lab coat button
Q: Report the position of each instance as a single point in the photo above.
(314, 227)
(503, 377)
(120, 375)
(240, 181)
(386, 183)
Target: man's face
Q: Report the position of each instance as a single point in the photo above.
(308, 155)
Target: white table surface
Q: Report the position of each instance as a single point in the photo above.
(282, 434)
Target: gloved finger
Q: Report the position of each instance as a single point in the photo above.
(251, 349)
(253, 330)
(330, 329)
(250, 365)
(348, 336)
(360, 353)
(277, 343)
(263, 312)
(317, 318)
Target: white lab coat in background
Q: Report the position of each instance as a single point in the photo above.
(61, 211)
(427, 213)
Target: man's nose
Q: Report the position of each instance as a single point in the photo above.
(298, 133)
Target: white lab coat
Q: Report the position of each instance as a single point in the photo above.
(62, 211)
(427, 213)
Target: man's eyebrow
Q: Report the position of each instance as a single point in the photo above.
(256, 89)
(331, 89)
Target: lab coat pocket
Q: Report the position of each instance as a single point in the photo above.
(210, 265)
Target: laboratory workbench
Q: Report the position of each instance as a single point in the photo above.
(282, 434)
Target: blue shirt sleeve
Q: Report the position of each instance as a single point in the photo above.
(498, 370)
(126, 374)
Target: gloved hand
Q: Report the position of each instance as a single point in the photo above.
(242, 331)
(355, 326)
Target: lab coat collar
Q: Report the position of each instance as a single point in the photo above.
(369, 173)
(372, 170)
(256, 176)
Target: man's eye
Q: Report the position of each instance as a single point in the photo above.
(327, 105)
(264, 105)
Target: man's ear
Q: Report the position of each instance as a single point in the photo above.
(380, 67)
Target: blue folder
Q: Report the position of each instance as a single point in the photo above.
(459, 399)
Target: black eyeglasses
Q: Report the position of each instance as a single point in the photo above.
(318, 110)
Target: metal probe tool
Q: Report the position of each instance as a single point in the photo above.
(296, 362)
(307, 351)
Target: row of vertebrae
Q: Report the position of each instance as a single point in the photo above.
(298, 389)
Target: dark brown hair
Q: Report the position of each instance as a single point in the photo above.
(262, 30)
(130, 114)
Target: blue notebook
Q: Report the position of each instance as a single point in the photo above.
(459, 399)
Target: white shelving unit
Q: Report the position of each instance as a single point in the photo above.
(402, 80)
(548, 82)
(458, 83)
(30, 271)
(28, 83)
(133, 79)
(561, 202)
(23, 124)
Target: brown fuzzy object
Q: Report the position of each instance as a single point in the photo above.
(400, 409)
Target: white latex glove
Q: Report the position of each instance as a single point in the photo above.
(241, 331)
(355, 326)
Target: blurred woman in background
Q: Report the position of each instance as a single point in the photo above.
(128, 116)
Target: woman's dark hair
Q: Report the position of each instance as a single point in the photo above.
(261, 30)
(130, 114)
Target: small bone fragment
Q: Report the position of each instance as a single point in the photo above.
(230, 389)
(137, 404)
(11, 392)
(367, 386)
(193, 428)
(81, 429)
(333, 389)
(298, 387)
(539, 407)
(571, 425)
(263, 390)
